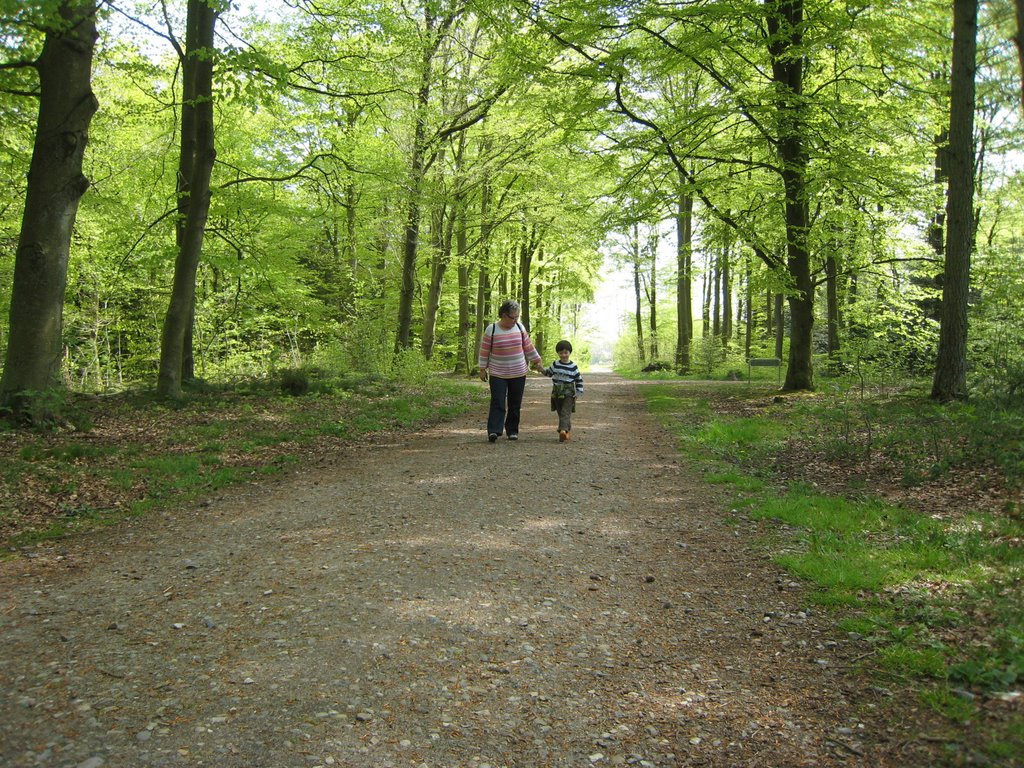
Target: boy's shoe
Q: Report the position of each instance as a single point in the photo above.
(513, 437)
(563, 436)
(492, 438)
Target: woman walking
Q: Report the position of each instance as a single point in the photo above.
(506, 354)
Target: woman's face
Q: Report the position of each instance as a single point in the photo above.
(507, 321)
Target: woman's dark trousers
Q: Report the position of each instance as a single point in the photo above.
(504, 391)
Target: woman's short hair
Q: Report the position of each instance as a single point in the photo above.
(508, 308)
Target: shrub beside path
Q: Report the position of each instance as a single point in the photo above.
(433, 600)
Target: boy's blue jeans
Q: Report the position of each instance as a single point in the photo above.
(500, 416)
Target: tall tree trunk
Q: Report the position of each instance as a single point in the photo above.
(780, 324)
(483, 277)
(785, 38)
(638, 296)
(832, 304)
(653, 291)
(483, 308)
(351, 247)
(462, 359)
(727, 296)
(936, 235)
(410, 242)
(684, 280)
(538, 326)
(950, 382)
(716, 304)
(705, 313)
(441, 234)
(531, 242)
(199, 38)
(417, 171)
(55, 186)
(503, 271)
(748, 317)
(1019, 40)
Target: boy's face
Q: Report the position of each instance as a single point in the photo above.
(563, 355)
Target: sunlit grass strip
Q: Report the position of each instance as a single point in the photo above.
(233, 437)
(904, 580)
(852, 546)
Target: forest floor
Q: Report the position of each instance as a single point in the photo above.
(430, 599)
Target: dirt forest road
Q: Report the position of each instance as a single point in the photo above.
(433, 600)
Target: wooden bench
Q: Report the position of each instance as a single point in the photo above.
(765, 362)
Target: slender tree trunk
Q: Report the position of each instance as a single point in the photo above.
(785, 38)
(410, 242)
(1019, 40)
(503, 270)
(684, 281)
(780, 324)
(705, 313)
(538, 326)
(716, 293)
(55, 186)
(638, 296)
(748, 326)
(483, 309)
(936, 234)
(635, 258)
(417, 171)
(525, 266)
(441, 231)
(483, 277)
(950, 382)
(351, 248)
(462, 360)
(202, 21)
(727, 296)
(653, 292)
(832, 303)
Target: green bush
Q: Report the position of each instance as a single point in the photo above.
(294, 381)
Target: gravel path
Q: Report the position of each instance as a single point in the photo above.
(433, 600)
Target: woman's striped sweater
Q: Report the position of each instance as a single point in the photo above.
(506, 354)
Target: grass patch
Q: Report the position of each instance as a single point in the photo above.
(739, 481)
(145, 454)
(948, 703)
(903, 517)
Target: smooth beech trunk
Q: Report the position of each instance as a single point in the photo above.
(950, 382)
(684, 280)
(785, 24)
(193, 195)
(55, 186)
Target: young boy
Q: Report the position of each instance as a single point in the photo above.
(567, 386)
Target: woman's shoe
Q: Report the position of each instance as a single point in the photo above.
(562, 436)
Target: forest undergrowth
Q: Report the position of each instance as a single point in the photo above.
(109, 457)
(905, 516)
